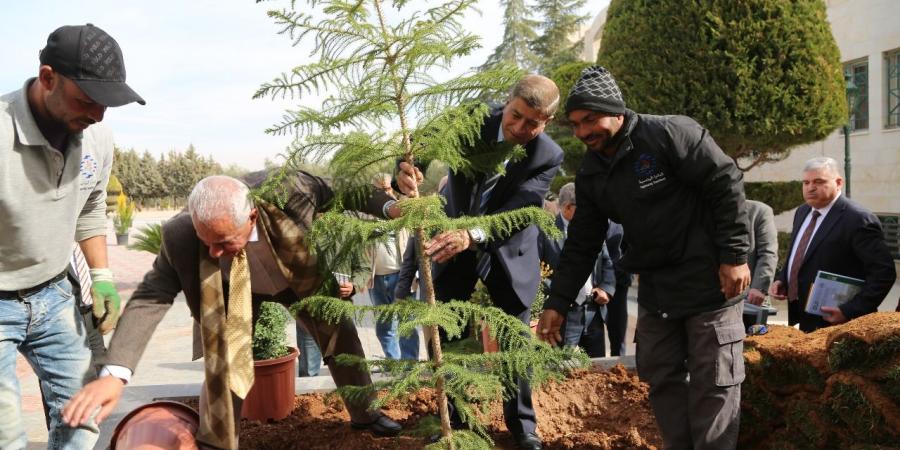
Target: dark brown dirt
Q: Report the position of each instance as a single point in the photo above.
(590, 410)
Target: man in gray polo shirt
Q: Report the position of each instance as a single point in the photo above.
(54, 166)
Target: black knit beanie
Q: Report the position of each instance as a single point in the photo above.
(596, 90)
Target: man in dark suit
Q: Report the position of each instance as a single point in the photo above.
(222, 226)
(509, 268)
(617, 308)
(834, 234)
(584, 322)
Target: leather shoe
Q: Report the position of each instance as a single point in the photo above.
(382, 426)
(529, 441)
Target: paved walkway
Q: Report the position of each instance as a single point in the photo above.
(166, 369)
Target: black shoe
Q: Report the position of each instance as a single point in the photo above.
(529, 441)
(382, 426)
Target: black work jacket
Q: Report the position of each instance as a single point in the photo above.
(679, 198)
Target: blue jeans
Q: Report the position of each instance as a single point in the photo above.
(310, 359)
(45, 327)
(382, 293)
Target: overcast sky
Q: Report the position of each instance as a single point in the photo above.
(196, 63)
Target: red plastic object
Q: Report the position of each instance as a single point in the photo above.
(161, 425)
(272, 394)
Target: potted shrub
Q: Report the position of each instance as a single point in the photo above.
(123, 219)
(272, 394)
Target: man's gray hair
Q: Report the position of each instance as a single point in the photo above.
(567, 195)
(822, 162)
(220, 196)
(538, 92)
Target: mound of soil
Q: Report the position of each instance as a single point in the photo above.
(589, 410)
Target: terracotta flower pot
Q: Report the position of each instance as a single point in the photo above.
(272, 394)
(161, 425)
(487, 342)
(492, 346)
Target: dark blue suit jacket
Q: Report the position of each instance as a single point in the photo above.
(603, 276)
(515, 268)
(849, 242)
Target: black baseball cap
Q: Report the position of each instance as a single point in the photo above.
(93, 60)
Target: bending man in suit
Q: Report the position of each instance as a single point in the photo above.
(837, 235)
(222, 227)
(509, 268)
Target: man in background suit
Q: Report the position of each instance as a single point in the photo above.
(224, 225)
(837, 235)
(461, 257)
(584, 322)
(763, 255)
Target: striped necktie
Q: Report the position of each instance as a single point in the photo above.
(238, 327)
(487, 186)
(84, 274)
(799, 255)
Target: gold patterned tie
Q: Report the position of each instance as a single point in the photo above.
(238, 327)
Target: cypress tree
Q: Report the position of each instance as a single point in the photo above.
(559, 26)
(518, 33)
(762, 75)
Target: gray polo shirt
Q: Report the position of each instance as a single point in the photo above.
(47, 199)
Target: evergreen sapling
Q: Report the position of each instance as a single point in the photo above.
(379, 70)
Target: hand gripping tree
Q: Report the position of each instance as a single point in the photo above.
(380, 70)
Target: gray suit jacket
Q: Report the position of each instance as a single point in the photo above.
(763, 255)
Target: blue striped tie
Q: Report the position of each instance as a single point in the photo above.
(487, 186)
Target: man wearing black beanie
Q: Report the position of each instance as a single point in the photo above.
(680, 200)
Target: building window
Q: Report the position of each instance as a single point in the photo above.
(858, 72)
(892, 76)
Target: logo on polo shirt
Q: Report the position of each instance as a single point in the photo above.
(88, 171)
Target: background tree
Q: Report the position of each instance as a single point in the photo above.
(518, 33)
(762, 75)
(234, 171)
(565, 77)
(559, 25)
(379, 72)
(126, 167)
(151, 184)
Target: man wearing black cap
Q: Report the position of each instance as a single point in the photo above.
(680, 201)
(54, 166)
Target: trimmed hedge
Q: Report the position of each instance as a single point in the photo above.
(780, 195)
(762, 75)
(558, 182)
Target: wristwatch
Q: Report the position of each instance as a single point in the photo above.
(477, 235)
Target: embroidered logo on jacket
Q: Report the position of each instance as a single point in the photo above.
(647, 171)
